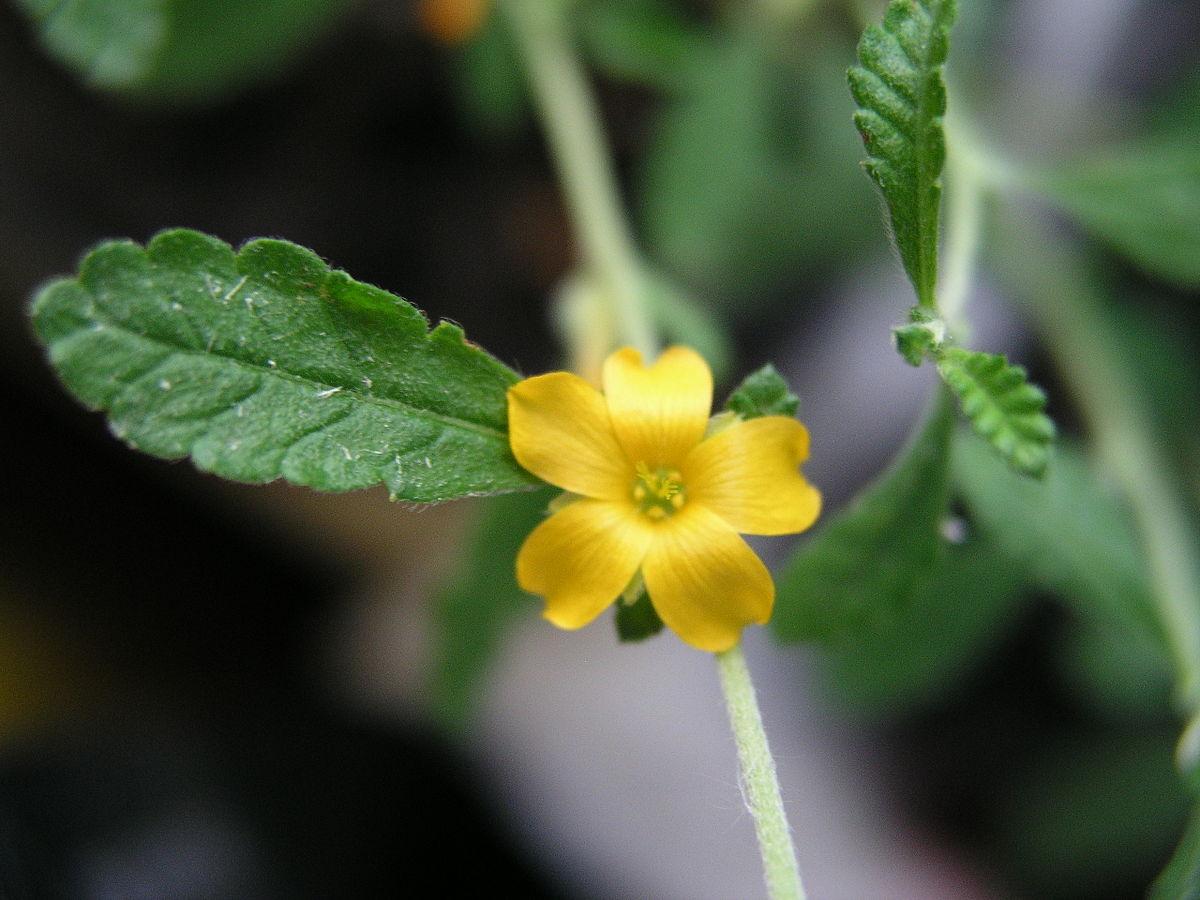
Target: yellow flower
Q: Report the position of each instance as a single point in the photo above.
(655, 495)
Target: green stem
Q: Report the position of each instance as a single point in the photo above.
(572, 122)
(759, 782)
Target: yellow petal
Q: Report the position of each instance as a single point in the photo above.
(582, 557)
(658, 413)
(704, 581)
(749, 475)
(559, 430)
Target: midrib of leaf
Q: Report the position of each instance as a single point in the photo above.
(269, 372)
(927, 218)
(915, 119)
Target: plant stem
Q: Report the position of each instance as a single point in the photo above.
(572, 123)
(759, 782)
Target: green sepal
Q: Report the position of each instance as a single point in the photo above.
(763, 393)
(266, 364)
(638, 620)
(1002, 406)
(871, 559)
(901, 95)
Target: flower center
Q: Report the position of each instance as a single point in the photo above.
(659, 493)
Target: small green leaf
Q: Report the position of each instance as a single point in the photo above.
(763, 393)
(1143, 200)
(475, 610)
(873, 558)
(1003, 407)
(901, 95)
(267, 364)
(921, 338)
(638, 620)
(1068, 531)
(927, 650)
(1181, 877)
(178, 49)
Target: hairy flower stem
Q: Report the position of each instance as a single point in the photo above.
(569, 115)
(759, 782)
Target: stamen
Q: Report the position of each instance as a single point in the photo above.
(659, 492)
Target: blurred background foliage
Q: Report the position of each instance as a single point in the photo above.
(1011, 665)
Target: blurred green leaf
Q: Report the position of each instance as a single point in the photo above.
(1069, 531)
(1157, 345)
(925, 651)
(1181, 877)
(749, 177)
(873, 558)
(643, 41)
(178, 50)
(684, 319)
(266, 363)
(1003, 407)
(489, 81)
(1081, 815)
(901, 94)
(763, 393)
(1143, 200)
(476, 609)
(1118, 673)
(637, 621)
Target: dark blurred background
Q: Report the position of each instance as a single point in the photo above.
(209, 690)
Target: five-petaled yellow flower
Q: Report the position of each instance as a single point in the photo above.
(655, 495)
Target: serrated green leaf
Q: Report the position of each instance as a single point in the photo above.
(1003, 407)
(871, 560)
(475, 610)
(1181, 877)
(637, 621)
(1143, 200)
(267, 364)
(763, 393)
(928, 648)
(177, 49)
(1068, 531)
(901, 95)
